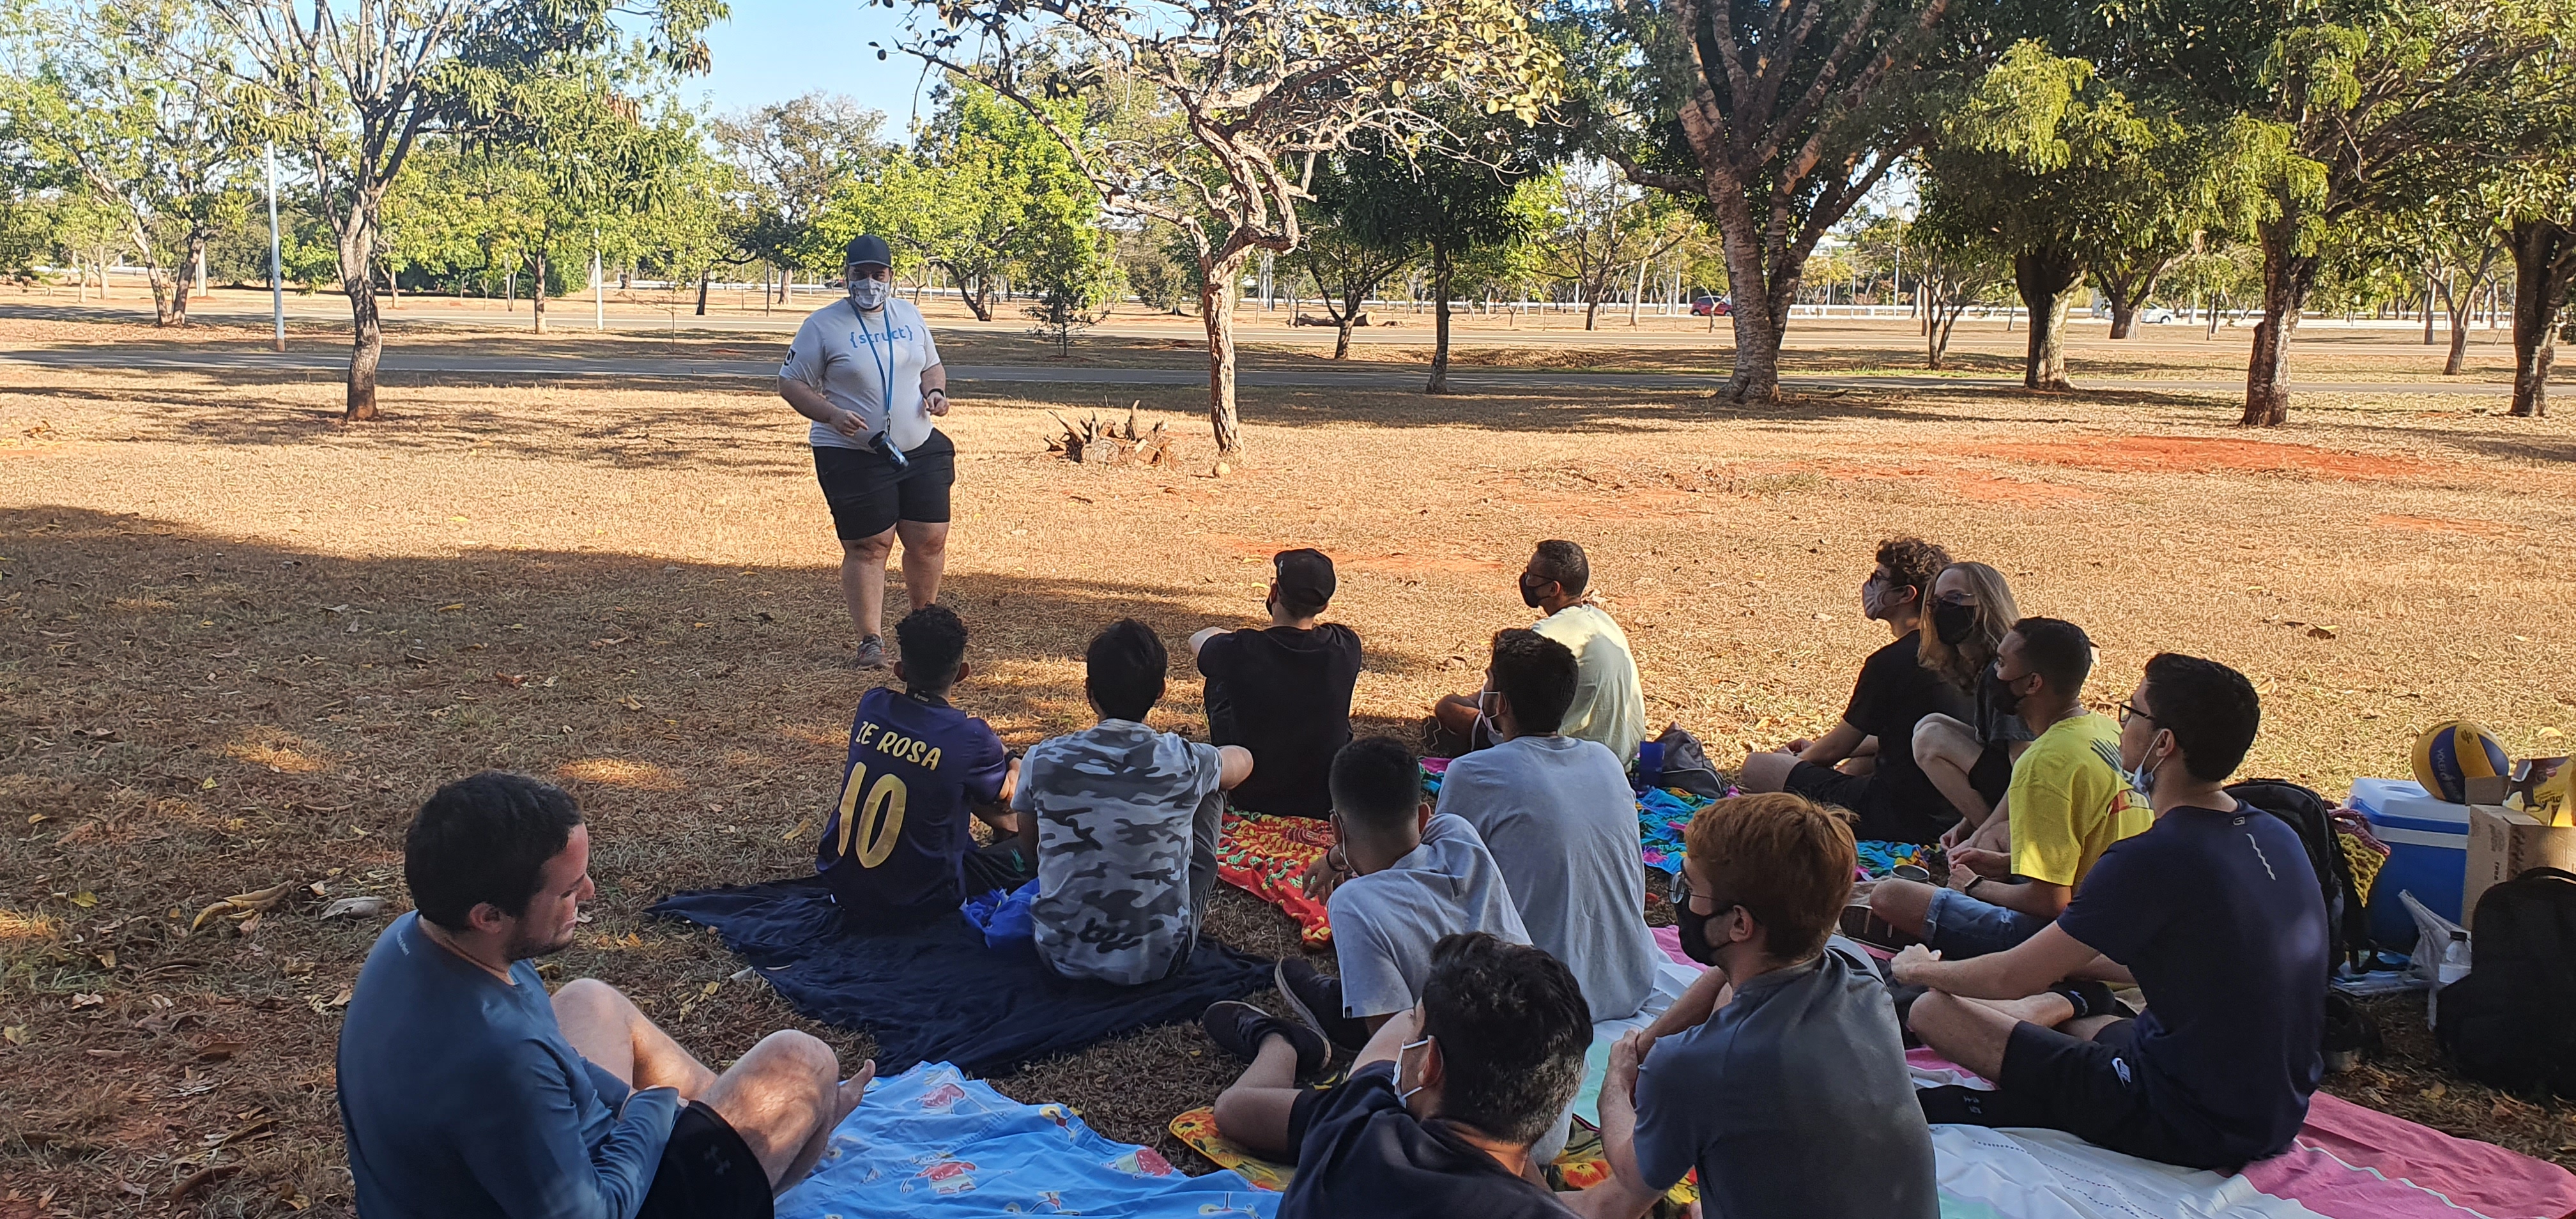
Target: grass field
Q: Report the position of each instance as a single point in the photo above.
(239, 643)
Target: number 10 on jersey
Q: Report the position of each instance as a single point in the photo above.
(873, 821)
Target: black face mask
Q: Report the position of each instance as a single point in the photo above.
(1951, 623)
(1692, 928)
(1532, 594)
(1999, 692)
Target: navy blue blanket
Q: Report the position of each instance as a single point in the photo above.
(934, 992)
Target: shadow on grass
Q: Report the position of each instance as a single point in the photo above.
(190, 715)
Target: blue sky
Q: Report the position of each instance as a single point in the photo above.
(772, 50)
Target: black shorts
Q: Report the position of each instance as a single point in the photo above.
(1859, 793)
(868, 495)
(2090, 1089)
(707, 1172)
(1992, 773)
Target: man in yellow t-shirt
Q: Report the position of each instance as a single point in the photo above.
(2069, 801)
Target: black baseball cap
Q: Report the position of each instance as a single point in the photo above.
(1305, 578)
(867, 251)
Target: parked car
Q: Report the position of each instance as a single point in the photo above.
(2158, 315)
(1712, 306)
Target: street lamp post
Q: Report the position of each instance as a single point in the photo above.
(276, 277)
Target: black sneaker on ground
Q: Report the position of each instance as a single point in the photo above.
(871, 653)
(1317, 1000)
(1239, 1028)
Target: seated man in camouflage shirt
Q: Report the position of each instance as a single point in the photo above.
(1123, 822)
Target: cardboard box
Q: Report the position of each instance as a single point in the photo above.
(2502, 845)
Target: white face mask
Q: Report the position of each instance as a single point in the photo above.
(868, 293)
(2142, 779)
(1402, 1093)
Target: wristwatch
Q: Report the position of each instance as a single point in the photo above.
(1970, 889)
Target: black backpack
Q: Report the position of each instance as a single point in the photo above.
(2512, 1022)
(2347, 913)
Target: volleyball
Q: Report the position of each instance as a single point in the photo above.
(2448, 755)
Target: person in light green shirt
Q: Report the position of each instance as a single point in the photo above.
(1609, 705)
(2069, 801)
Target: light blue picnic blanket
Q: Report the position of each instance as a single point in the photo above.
(931, 1143)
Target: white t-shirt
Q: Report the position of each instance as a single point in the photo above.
(1557, 815)
(1385, 923)
(1608, 706)
(853, 358)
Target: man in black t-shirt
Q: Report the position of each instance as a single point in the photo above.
(1866, 764)
(1284, 692)
(2213, 912)
(1439, 1112)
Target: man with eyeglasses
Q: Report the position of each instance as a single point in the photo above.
(2214, 912)
(865, 371)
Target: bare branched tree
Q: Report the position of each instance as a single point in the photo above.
(1245, 96)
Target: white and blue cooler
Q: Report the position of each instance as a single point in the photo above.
(2428, 854)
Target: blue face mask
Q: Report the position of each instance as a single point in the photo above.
(2142, 777)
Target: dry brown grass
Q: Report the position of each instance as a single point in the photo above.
(239, 643)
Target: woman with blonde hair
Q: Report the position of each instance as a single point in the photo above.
(1972, 610)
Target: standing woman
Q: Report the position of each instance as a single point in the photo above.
(1972, 611)
(864, 370)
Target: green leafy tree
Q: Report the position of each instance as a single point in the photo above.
(1069, 269)
(2065, 173)
(2375, 104)
(356, 85)
(1600, 228)
(1241, 98)
(1773, 120)
(114, 108)
(1953, 273)
(1345, 268)
(1445, 206)
(792, 161)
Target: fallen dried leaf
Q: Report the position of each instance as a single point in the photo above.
(218, 1051)
(80, 1001)
(356, 907)
(2323, 632)
(84, 899)
(16, 1034)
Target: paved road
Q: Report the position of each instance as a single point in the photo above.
(544, 367)
(572, 317)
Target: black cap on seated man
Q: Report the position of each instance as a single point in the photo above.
(1284, 691)
(466, 1091)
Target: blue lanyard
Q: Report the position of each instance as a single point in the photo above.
(884, 361)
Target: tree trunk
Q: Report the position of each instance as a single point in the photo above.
(1591, 309)
(703, 277)
(2287, 276)
(197, 259)
(1939, 323)
(2544, 261)
(2462, 306)
(366, 329)
(975, 297)
(537, 294)
(2124, 317)
(1342, 341)
(1442, 267)
(1220, 280)
(2047, 278)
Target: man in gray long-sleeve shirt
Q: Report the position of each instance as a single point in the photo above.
(466, 1091)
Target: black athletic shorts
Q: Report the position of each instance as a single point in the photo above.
(707, 1172)
(1858, 793)
(2090, 1089)
(1992, 774)
(868, 496)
